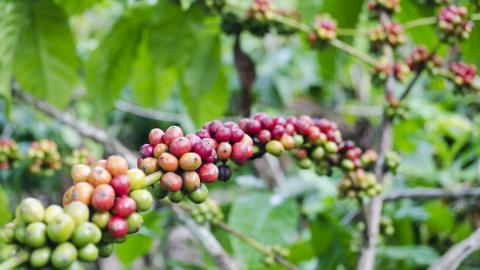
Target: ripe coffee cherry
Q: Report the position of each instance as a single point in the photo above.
(267, 123)
(36, 234)
(99, 176)
(277, 132)
(31, 210)
(124, 206)
(61, 228)
(236, 135)
(253, 127)
(121, 185)
(88, 253)
(264, 136)
(302, 126)
(117, 226)
(214, 126)
(190, 161)
(139, 162)
(155, 136)
(203, 133)
(64, 255)
(171, 134)
(247, 140)
(287, 141)
(191, 181)
(137, 178)
(101, 163)
(103, 197)
(211, 142)
(212, 158)
(51, 212)
(208, 173)
(180, 146)
(100, 219)
(146, 150)
(159, 149)
(313, 133)
(78, 211)
(116, 165)
(230, 124)
(176, 196)
(82, 192)
(290, 129)
(171, 182)
(274, 147)
(241, 152)
(143, 198)
(301, 153)
(224, 150)
(199, 195)
(84, 233)
(224, 173)
(202, 148)
(80, 173)
(223, 134)
(193, 139)
(39, 257)
(168, 162)
(134, 221)
(279, 121)
(149, 165)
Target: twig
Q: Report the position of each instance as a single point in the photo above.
(246, 71)
(431, 193)
(149, 113)
(257, 245)
(452, 259)
(14, 262)
(354, 51)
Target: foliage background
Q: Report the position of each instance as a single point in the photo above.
(86, 57)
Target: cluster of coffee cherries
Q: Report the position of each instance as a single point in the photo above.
(389, 32)
(9, 152)
(386, 226)
(390, 6)
(275, 250)
(454, 23)
(325, 30)
(100, 209)
(420, 58)
(44, 157)
(464, 75)
(209, 211)
(392, 161)
(80, 156)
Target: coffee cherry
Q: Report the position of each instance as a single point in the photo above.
(61, 228)
(171, 182)
(143, 198)
(224, 173)
(224, 150)
(116, 165)
(277, 132)
(64, 255)
(348, 165)
(208, 173)
(137, 178)
(139, 162)
(168, 162)
(155, 136)
(199, 195)
(146, 151)
(171, 134)
(135, 221)
(21, 233)
(105, 250)
(84, 234)
(203, 149)
(82, 192)
(191, 181)
(213, 143)
(100, 219)
(203, 133)
(158, 192)
(103, 198)
(121, 185)
(236, 135)
(287, 141)
(318, 153)
(40, 257)
(117, 226)
(253, 127)
(274, 147)
(150, 165)
(180, 146)
(78, 211)
(305, 163)
(331, 147)
(212, 158)
(223, 134)
(159, 149)
(264, 136)
(190, 161)
(36, 234)
(80, 173)
(31, 210)
(99, 176)
(124, 206)
(176, 196)
(51, 212)
(239, 152)
(214, 126)
(88, 253)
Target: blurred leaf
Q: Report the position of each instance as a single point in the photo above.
(413, 255)
(4, 207)
(45, 62)
(73, 7)
(263, 219)
(441, 219)
(425, 35)
(135, 247)
(12, 20)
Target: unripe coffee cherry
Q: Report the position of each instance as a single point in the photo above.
(61, 228)
(159, 149)
(100, 219)
(318, 153)
(40, 257)
(105, 250)
(143, 198)
(190, 161)
(78, 211)
(180, 146)
(176, 196)
(64, 255)
(158, 191)
(208, 173)
(84, 234)
(331, 147)
(121, 185)
(88, 253)
(31, 210)
(117, 227)
(82, 192)
(137, 178)
(305, 163)
(149, 165)
(224, 150)
(80, 173)
(168, 162)
(135, 221)
(155, 136)
(103, 197)
(116, 165)
(275, 148)
(171, 134)
(199, 195)
(36, 234)
(98, 176)
(51, 212)
(171, 181)
(191, 181)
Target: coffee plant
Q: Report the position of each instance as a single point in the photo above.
(236, 165)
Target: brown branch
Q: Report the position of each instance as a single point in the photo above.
(431, 193)
(452, 259)
(247, 74)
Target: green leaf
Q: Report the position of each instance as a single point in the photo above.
(12, 18)
(110, 65)
(424, 35)
(441, 219)
(413, 255)
(45, 62)
(136, 246)
(259, 216)
(5, 214)
(73, 7)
